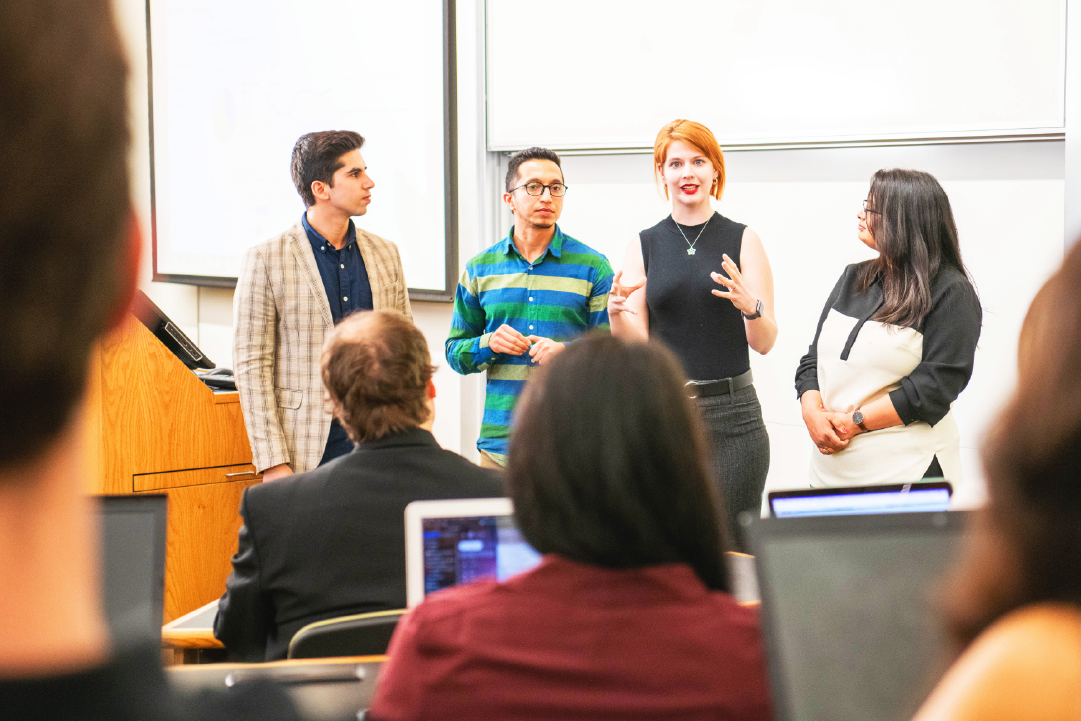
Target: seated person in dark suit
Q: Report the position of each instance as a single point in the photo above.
(331, 542)
(629, 614)
(69, 261)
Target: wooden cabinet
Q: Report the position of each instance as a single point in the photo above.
(158, 429)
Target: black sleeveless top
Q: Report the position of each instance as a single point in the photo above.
(705, 332)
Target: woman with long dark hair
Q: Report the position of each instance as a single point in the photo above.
(1016, 605)
(629, 613)
(709, 297)
(895, 344)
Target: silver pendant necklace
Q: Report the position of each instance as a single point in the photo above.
(690, 245)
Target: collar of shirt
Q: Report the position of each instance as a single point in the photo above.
(555, 247)
(322, 244)
(561, 577)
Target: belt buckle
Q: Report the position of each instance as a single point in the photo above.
(691, 383)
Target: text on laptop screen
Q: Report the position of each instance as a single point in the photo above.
(460, 550)
(929, 499)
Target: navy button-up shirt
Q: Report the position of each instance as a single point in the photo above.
(348, 289)
(344, 276)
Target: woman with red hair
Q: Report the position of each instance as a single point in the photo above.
(709, 297)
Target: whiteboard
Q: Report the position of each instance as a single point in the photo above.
(603, 75)
(234, 84)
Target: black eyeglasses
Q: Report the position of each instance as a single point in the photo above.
(558, 190)
(867, 210)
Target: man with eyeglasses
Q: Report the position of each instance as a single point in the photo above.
(522, 299)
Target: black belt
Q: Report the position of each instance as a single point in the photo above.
(701, 389)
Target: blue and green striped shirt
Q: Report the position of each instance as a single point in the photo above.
(561, 295)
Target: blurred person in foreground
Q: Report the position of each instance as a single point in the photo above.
(69, 258)
(1017, 601)
(630, 613)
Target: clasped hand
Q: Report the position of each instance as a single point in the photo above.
(507, 340)
(830, 431)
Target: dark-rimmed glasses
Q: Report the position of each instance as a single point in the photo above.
(867, 210)
(558, 190)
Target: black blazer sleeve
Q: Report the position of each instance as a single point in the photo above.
(245, 613)
(807, 372)
(950, 334)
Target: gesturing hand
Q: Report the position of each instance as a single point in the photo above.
(544, 349)
(737, 292)
(617, 297)
(507, 340)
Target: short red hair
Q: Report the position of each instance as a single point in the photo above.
(700, 138)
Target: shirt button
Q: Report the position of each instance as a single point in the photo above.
(530, 327)
(530, 299)
(531, 267)
(322, 247)
(343, 265)
(345, 298)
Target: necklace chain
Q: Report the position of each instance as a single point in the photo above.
(690, 245)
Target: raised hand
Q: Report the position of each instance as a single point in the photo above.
(738, 292)
(544, 349)
(507, 340)
(617, 297)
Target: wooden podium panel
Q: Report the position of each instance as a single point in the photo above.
(159, 429)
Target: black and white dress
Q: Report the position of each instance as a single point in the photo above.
(855, 360)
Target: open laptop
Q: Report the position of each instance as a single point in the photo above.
(923, 496)
(851, 611)
(457, 541)
(133, 555)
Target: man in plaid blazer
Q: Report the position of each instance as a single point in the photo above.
(291, 292)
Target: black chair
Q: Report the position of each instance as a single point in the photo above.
(364, 634)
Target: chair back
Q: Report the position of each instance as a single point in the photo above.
(364, 634)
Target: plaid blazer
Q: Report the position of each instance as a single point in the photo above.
(281, 317)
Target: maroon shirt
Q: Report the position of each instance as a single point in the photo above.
(569, 640)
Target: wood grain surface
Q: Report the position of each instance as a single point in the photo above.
(157, 428)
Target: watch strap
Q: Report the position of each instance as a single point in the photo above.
(757, 312)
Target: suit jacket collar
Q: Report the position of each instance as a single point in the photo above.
(411, 437)
(302, 251)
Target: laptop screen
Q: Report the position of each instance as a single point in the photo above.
(852, 612)
(133, 559)
(460, 550)
(896, 498)
(451, 542)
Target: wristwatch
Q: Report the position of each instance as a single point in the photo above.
(757, 312)
(857, 418)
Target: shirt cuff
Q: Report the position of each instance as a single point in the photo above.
(484, 340)
(807, 384)
(904, 408)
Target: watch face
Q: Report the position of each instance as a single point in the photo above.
(857, 418)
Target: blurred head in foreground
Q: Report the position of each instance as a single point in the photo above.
(1030, 547)
(607, 462)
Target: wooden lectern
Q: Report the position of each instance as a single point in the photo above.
(156, 428)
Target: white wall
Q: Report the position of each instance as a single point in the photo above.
(1073, 122)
